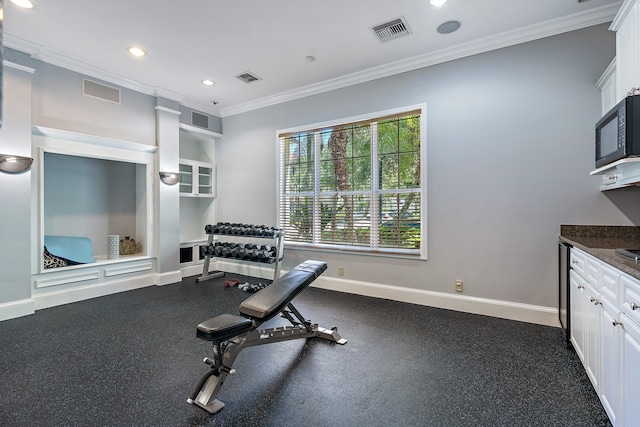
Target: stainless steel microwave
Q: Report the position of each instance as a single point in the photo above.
(618, 132)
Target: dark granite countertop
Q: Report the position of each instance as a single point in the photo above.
(602, 241)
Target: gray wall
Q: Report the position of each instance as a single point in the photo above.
(509, 150)
(89, 198)
(58, 103)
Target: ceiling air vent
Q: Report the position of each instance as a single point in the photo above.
(391, 30)
(248, 77)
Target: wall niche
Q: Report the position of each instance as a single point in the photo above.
(93, 187)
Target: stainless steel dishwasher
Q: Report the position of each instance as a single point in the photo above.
(563, 287)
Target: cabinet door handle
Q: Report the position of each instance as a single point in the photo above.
(594, 301)
(616, 323)
(580, 286)
(634, 306)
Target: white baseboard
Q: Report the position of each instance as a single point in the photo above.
(168, 278)
(196, 270)
(489, 307)
(65, 296)
(191, 270)
(14, 309)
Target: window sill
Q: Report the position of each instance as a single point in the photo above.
(356, 252)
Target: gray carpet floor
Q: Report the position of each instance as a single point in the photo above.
(132, 359)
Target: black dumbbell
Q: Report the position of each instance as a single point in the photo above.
(236, 251)
(226, 251)
(253, 254)
(205, 250)
(263, 256)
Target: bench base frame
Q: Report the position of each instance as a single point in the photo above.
(225, 353)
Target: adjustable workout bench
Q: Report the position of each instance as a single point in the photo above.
(230, 334)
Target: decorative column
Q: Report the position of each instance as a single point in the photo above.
(167, 227)
(15, 209)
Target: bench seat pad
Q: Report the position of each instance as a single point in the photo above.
(268, 302)
(223, 327)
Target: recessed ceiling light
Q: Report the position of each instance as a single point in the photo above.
(136, 51)
(449, 27)
(208, 82)
(26, 4)
(437, 2)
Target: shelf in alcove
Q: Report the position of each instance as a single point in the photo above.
(92, 139)
(100, 262)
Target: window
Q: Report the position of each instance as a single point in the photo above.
(356, 184)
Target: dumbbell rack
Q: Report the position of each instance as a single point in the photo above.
(245, 231)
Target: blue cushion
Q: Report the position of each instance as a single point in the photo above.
(76, 249)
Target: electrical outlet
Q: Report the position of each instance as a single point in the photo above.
(458, 285)
(340, 271)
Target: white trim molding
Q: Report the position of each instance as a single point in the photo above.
(13, 309)
(20, 67)
(43, 54)
(529, 313)
(549, 28)
(161, 279)
(552, 27)
(66, 296)
(547, 316)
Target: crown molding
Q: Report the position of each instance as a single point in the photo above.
(622, 13)
(549, 28)
(43, 54)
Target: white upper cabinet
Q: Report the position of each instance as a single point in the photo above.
(608, 88)
(626, 24)
(198, 179)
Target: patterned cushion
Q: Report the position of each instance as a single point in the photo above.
(52, 261)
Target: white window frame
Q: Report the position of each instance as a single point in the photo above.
(388, 252)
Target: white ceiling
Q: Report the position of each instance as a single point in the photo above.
(192, 40)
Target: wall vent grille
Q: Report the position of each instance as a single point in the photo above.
(200, 120)
(100, 91)
(391, 30)
(248, 77)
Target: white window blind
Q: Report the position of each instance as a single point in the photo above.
(355, 186)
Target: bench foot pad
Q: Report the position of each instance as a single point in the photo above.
(212, 407)
(331, 335)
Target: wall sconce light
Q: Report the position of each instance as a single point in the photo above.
(170, 178)
(14, 164)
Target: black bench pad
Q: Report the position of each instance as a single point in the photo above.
(223, 327)
(268, 302)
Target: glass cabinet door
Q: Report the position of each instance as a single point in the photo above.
(198, 179)
(186, 186)
(205, 182)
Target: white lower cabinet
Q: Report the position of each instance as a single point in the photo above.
(593, 316)
(606, 335)
(578, 296)
(630, 372)
(609, 389)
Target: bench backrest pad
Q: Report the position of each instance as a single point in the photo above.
(268, 302)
